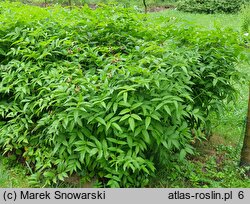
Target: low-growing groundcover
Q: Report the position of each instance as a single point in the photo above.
(214, 166)
(105, 94)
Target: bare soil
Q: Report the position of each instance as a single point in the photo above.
(160, 8)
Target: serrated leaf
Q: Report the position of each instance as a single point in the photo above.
(182, 154)
(189, 150)
(131, 122)
(79, 122)
(147, 121)
(65, 122)
(101, 120)
(215, 81)
(155, 117)
(103, 104)
(130, 141)
(124, 111)
(108, 125)
(159, 106)
(115, 106)
(146, 136)
(184, 69)
(86, 131)
(125, 117)
(116, 126)
(75, 115)
(49, 174)
(167, 110)
(93, 151)
(136, 105)
(116, 141)
(175, 143)
(138, 130)
(125, 97)
(110, 115)
(145, 169)
(165, 144)
(137, 117)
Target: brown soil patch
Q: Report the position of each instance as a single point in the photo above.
(160, 8)
(217, 140)
(93, 6)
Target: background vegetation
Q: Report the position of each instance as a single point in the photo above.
(210, 6)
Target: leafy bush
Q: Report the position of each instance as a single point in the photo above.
(104, 93)
(210, 6)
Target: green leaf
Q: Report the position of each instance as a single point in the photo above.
(125, 117)
(146, 136)
(115, 106)
(176, 143)
(116, 126)
(93, 151)
(130, 141)
(159, 106)
(167, 110)
(131, 122)
(189, 150)
(101, 120)
(137, 117)
(215, 81)
(108, 126)
(65, 122)
(125, 97)
(182, 154)
(49, 174)
(147, 121)
(145, 169)
(75, 115)
(155, 117)
(86, 131)
(113, 140)
(105, 149)
(124, 111)
(165, 144)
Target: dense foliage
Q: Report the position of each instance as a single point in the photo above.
(105, 94)
(210, 6)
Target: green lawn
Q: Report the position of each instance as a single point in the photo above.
(209, 21)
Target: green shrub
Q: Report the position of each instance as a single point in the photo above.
(210, 6)
(104, 93)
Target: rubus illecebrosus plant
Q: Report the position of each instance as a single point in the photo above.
(105, 93)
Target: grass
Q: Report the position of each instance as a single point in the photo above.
(227, 136)
(12, 177)
(213, 166)
(208, 21)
